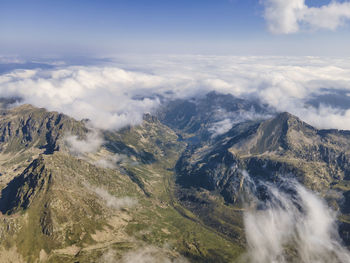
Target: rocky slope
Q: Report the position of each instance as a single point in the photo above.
(198, 118)
(58, 205)
(280, 147)
(171, 188)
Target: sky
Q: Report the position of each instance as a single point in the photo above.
(213, 27)
(111, 61)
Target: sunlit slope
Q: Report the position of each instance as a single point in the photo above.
(62, 208)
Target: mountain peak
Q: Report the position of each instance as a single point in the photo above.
(26, 126)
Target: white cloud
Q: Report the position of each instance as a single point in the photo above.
(106, 95)
(114, 202)
(110, 200)
(226, 120)
(103, 95)
(108, 257)
(111, 161)
(80, 147)
(303, 223)
(285, 17)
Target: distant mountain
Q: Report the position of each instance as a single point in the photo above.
(197, 117)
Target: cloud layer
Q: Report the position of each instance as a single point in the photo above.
(101, 94)
(115, 96)
(285, 17)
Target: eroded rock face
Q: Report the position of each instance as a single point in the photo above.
(281, 145)
(196, 117)
(269, 151)
(188, 185)
(26, 126)
(23, 189)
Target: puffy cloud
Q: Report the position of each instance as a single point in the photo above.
(80, 147)
(103, 94)
(113, 97)
(285, 17)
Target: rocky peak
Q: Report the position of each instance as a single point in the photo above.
(26, 126)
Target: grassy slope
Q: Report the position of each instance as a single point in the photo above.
(67, 222)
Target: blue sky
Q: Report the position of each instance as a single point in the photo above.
(107, 27)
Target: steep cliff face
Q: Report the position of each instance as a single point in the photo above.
(23, 189)
(281, 145)
(60, 206)
(197, 118)
(26, 126)
(171, 182)
(270, 150)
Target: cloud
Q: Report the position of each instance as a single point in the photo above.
(226, 120)
(102, 94)
(111, 161)
(91, 150)
(108, 257)
(114, 202)
(292, 223)
(112, 97)
(80, 147)
(285, 17)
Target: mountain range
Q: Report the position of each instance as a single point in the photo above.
(172, 189)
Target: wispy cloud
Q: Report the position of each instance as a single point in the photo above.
(226, 120)
(285, 17)
(292, 223)
(111, 200)
(114, 202)
(80, 147)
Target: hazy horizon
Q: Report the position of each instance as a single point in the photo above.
(209, 27)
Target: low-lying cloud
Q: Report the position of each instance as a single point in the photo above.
(110, 200)
(285, 17)
(115, 202)
(79, 147)
(292, 225)
(92, 143)
(113, 97)
(112, 161)
(226, 120)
